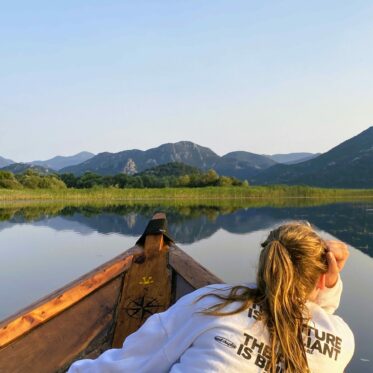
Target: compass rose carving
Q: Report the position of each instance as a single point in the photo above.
(142, 307)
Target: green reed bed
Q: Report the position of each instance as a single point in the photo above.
(232, 193)
(216, 200)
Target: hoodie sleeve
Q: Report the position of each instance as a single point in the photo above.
(141, 352)
(329, 298)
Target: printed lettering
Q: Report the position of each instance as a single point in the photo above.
(260, 361)
(328, 350)
(255, 345)
(247, 353)
(247, 340)
(257, 315)
(330, 339)
(310, 328)
(267, 352)
(317, 335)
(338, 342)
(326, 343)
(317, 346)
(224, 341)
(337, 352)
(240, 349)
(314, 339)
(255, 312)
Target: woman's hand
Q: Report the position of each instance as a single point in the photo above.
(337, 255)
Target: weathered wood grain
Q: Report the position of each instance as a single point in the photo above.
(191, 271)
(147, 288)
(80, 331)
(55, 303)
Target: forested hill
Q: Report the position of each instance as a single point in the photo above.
(171, 169)
(348, 165)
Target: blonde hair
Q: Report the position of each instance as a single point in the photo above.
(290, 263)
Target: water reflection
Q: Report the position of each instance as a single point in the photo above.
(352, 223)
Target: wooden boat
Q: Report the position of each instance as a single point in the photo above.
(100, 309)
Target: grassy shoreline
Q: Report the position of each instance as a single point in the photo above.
(168, 194)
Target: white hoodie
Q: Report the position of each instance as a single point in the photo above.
(184, 340)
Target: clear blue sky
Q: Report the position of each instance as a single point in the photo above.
(262, 76)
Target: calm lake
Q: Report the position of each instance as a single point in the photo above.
(43, 248)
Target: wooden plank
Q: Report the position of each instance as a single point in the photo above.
(84, 329)
(147, 287)
(191, 271)
(52, 305)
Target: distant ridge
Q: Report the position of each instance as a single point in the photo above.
(348, 165)
(5, 162)
(58, 162)
(242, 164)
(293, 158)
(20, 168)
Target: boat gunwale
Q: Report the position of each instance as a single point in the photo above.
(194, 273)
(27, 319)
(23, 321)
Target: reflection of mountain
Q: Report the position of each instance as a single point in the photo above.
(352, 223)
(248, 220)
(59, 223)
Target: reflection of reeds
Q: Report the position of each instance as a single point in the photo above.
(189, 208)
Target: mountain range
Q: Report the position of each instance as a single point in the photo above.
(238, 164)
(348, 165)
(238, 161)
(52, 165)
(135, 161)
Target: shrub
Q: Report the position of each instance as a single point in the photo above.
(8, 181)
(33, 180)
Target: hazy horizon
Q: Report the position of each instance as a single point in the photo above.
(267, 78)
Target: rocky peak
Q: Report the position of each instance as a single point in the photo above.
(130, 167)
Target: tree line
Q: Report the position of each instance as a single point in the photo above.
(33, 180)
